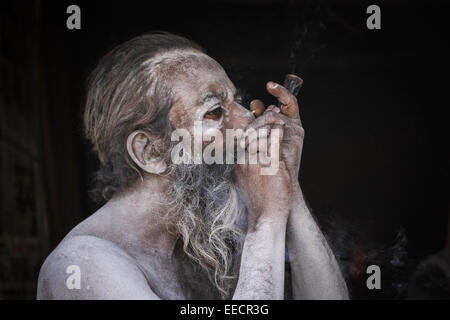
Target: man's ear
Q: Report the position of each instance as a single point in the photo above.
(139, 146)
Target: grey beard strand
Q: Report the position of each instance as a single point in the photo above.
(205, 207)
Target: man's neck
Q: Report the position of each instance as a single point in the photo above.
(141, 213)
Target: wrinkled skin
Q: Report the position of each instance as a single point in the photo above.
(125, 251)
(293, 132)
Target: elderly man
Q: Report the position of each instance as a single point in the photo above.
(187, 230)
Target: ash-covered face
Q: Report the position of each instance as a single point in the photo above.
(203, 92)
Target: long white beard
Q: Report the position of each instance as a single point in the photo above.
(205, 206)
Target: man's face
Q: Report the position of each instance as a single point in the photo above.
(203, 92)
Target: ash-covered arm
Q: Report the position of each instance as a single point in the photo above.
(261, 275)
(314, 270)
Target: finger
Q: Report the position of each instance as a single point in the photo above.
(257, 107)
(267, 118)
(263, 138)
(270, 134)
(270, 146)
(273, 108)
(288, 100)
(280, 130)
(251, 138)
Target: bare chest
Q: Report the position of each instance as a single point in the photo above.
(176, 279)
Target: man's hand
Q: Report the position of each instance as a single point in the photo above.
(292, 143)
(267, 197)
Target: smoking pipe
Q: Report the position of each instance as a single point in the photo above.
(293, 83)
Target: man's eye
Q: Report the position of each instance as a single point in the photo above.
(214, 114)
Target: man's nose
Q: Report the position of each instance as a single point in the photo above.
(238, 117)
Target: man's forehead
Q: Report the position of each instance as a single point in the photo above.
(184, 63)
(205, 88)
(192, 75)
(198, 74)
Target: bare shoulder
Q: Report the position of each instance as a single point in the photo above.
(88, 267)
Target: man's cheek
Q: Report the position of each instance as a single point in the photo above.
(237, 117)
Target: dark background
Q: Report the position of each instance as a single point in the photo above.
(373, 104)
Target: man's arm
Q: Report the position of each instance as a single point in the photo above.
(261, 273)
(314, 270)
